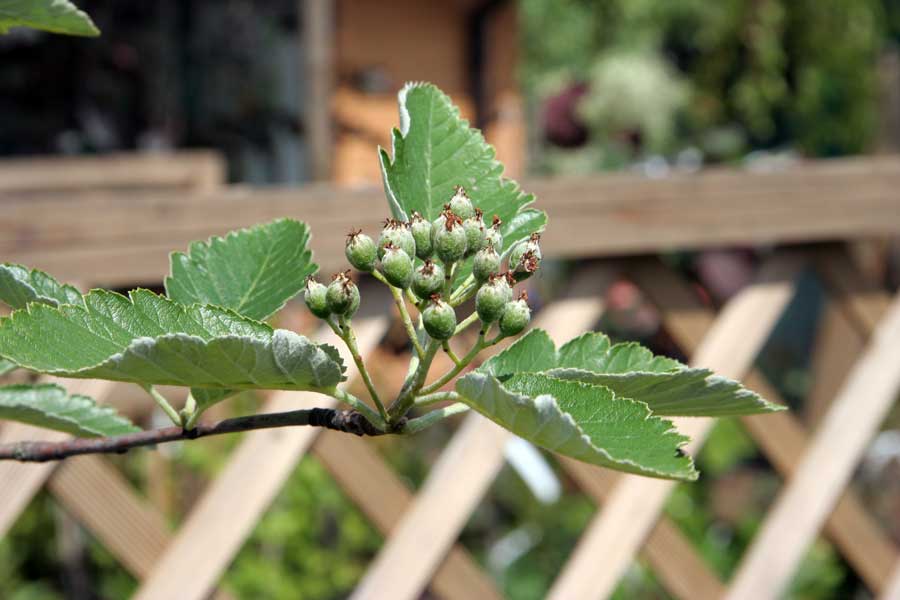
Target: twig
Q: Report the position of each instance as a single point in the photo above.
(348, 421)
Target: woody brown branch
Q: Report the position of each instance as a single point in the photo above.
(347, 421)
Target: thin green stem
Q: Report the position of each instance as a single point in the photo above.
(449, 272)
(464, 292)
(345, 331)
(434, 397)
(397, 293)
(449, 352)
(162, 403)
(479, 345)
(427, 420)
(346, 397)
(191, 412)
(465, 323)
(414, 384)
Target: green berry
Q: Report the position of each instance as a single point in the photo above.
(515, 316)
(439, 319)
(492, 297)
(493, 236)
(421, 232)
(474, 228)
(361, 251)
(315, 298)
(525, 258)
(397, 233)
(450, 238)
(397, 266)
(460, 204)
(342, 295)
(485, 263)
(428, 279)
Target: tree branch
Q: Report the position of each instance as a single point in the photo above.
(348, 421)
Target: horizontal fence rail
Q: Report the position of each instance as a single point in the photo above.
(107, 237)
(126, 240)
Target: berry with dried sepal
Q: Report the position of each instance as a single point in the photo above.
(515, 316)
(316, 299)
(474, 228)
(396, 266)
(493, 236)
(492, 296)
(342, 295)
(361, 251)
(428, 280)
(439, 319)
(450, 238)
(397, 233)
(485, 263)
(525, 258)
(461, 204)
(421, 232)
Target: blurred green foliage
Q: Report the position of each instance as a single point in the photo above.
(726, 77)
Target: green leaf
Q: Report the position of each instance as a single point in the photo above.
(47, 405)
(631, 371)
(435, 150)
(146, 338)
(582, 421)
(6, 367)
(254, 272)
(56, 16)
(20, 285)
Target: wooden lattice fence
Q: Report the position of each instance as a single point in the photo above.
(618, 215)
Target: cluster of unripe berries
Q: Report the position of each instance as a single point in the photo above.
(457, 234)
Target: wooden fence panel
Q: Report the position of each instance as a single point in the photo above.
(825, 470)
(614, 537)
(781, 436)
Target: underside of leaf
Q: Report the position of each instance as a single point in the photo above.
(582, 421)
(20, 285)
(56, 16)
(146, 338)
(49, 406)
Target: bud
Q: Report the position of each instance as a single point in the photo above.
(342, 295)
(492, 297)
(493, 236)
(439, 319)
(315, 298)
(396, 266)
(361, 251)
(397, 233)
(428, 279)
(525, 258)
(485, 263)
(474, 228)
(450, 238)
(421, 232)
(461, 204)
(515, 316)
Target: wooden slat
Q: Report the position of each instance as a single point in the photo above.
(198, 171)
(21, 481)
(781, 436)
(835, 350)
(672, 557)
(97, 495)
(805, 502)
(614, 537)
(226, 514)
(892, 591)
(318, 37)
(465, 470)
(383, 498)
(126, 242)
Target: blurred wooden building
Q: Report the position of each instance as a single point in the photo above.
(466, 47)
